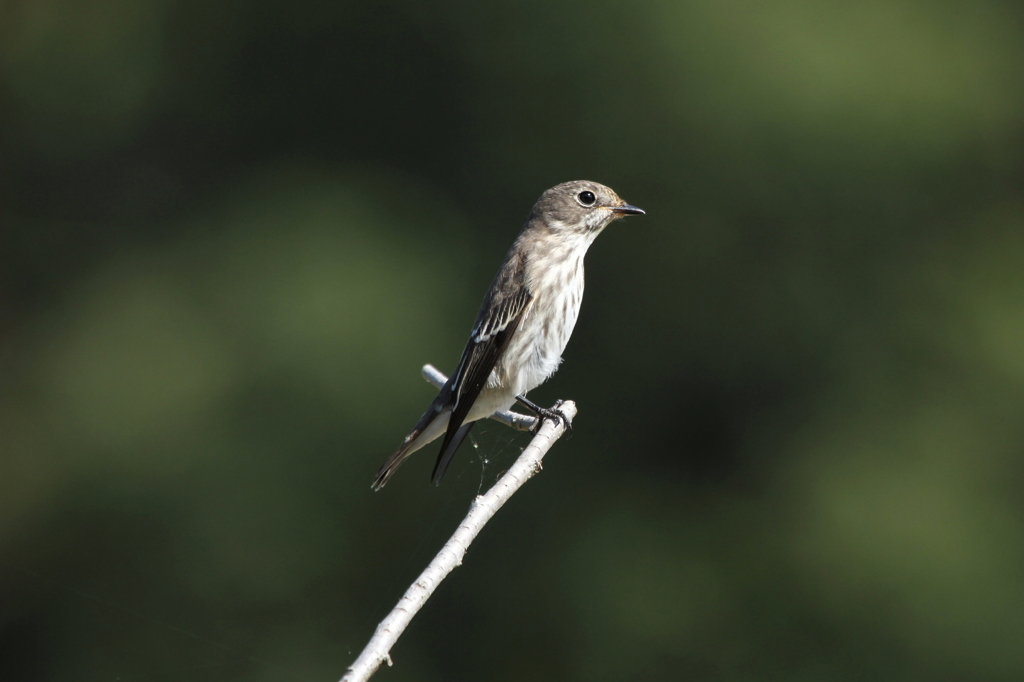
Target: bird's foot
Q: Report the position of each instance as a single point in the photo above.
(554, 414)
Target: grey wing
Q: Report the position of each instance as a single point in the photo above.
(494, 329)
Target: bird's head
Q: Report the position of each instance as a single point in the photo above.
(581, 207)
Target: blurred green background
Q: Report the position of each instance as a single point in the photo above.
(232, 232)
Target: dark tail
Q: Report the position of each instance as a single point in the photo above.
(407, 447)
(395, 460)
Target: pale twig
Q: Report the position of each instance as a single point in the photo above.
(378, 650)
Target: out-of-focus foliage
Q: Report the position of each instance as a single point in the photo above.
(231, 232)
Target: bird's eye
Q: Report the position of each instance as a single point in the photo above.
(586, 197)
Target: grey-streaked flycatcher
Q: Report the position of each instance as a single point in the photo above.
(524, 322)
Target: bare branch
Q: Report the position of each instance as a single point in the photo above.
(378, 650)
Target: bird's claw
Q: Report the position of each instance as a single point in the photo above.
(555, 415)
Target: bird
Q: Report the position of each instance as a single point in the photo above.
(523, 324)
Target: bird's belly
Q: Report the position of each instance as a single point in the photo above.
(535, 351)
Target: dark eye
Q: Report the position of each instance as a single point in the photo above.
(586, 197)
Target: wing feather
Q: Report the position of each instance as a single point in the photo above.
(495, 327)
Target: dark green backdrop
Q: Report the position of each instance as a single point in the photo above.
(231, 231)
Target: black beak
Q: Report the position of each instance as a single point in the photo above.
(627, 209)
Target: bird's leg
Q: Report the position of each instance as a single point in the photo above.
(543, 413)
